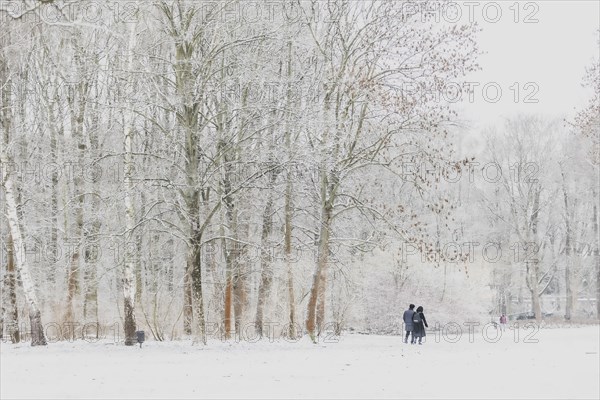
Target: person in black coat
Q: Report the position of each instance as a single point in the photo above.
(419, 325)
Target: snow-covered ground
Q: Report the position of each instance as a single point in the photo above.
(563, 364)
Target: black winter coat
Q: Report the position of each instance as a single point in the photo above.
(419, 327)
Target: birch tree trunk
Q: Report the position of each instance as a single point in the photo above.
(596, 249)
(129, 321)
(10, 312)
(54, 248)
(35, 316)
(568, 250)
(11, 318)
(16, 243)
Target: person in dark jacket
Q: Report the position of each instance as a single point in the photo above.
(419, 324)
(408, 323)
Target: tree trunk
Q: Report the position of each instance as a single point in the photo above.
(321, 298)
(193, 275)
(139, 262)
(129, 322)
(239, 283)
(72, 289)
(568, 252)
(231, 246)
(78, 112)
(227, 302)
(90, 305)
(266, 275)
(16, 245)
(130, 259)
(240, 230)
(596, 251)
(317, 292)
(194, 258)
(316, 302)
(288, 209)
(73, 276)
(534, 267)
(188, 114)
(91, 247)
(535, 297)
(288, 256)
(54, 199)
(12, 322)
(35, 315)
(210, 252)
(188, 307)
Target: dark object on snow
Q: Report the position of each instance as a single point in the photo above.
(525, 315)
(529, 315)
(141, 336)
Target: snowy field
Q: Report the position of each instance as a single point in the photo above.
(563, 364)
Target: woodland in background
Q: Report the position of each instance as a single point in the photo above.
(181, 169)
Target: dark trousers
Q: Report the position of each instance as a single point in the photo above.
(412, 337)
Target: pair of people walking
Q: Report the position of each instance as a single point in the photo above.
(414, 324)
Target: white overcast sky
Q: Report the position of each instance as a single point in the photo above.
(552, 53)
